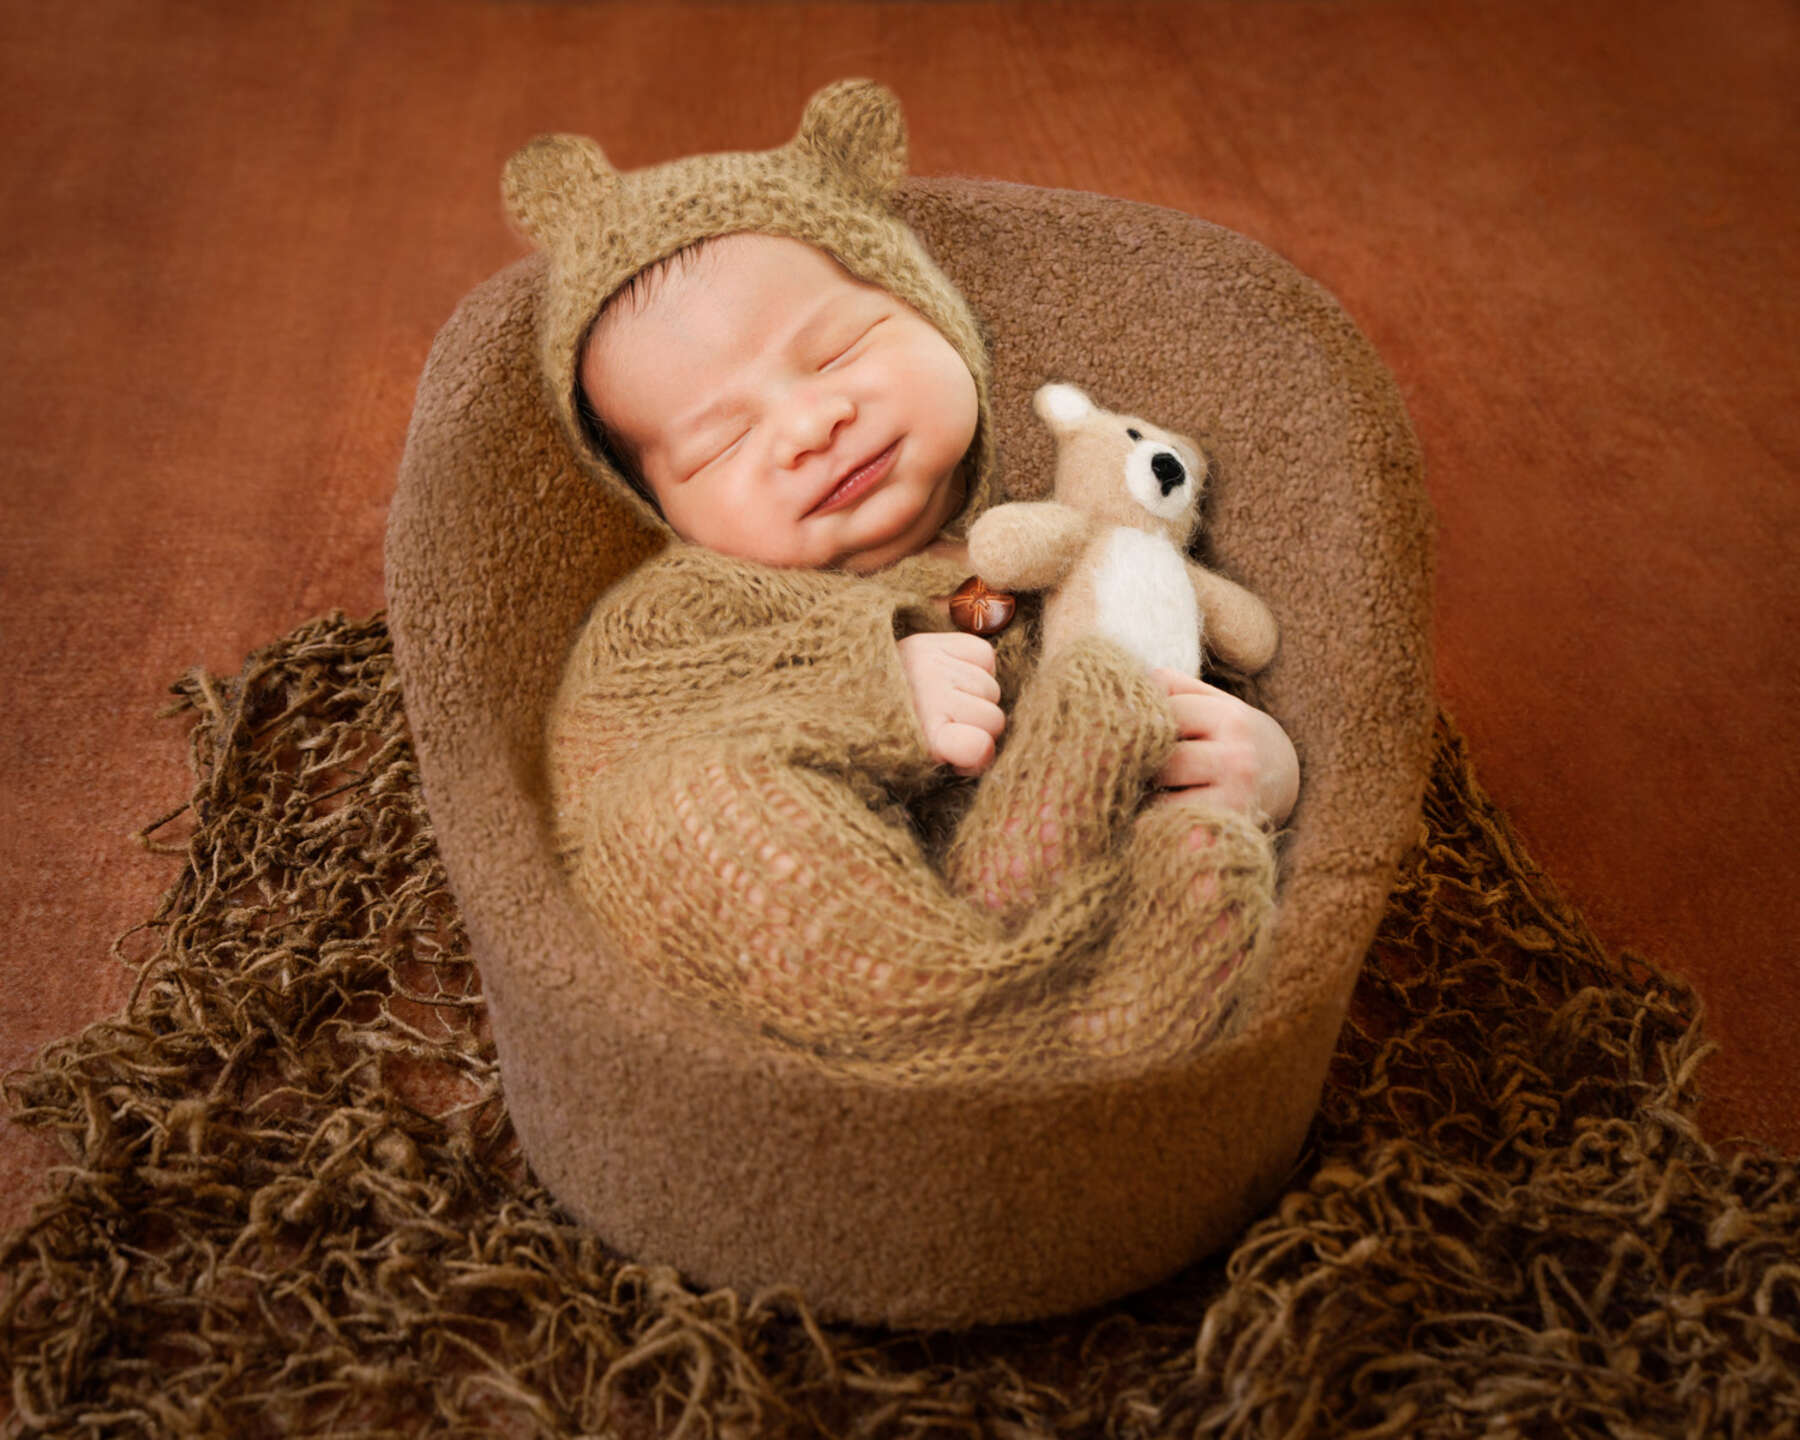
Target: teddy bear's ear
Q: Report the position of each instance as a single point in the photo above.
(555, 187)
(1061, 406)
(856, 125)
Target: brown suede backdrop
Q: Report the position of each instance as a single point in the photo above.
(230, 233)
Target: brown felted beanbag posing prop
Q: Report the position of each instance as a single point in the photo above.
(884, 1191)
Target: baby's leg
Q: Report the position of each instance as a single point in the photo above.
(1089, 733)
(787, 899)
(1191, 935)
(777, 894)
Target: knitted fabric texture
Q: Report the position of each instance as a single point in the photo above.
(828, 187)
(730, 754)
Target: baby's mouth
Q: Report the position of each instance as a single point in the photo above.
(858, 482)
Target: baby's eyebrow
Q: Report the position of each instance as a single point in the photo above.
(715, 410)
(691, 441)
(686, 428)
(825, 318)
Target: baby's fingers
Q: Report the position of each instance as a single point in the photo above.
(962, 646)
(1176, 682)
(968, 749)
(955, 696)
(972, 680)
(966, 736)
(1226, 775)
(1230, 753)
(945, 651)
(1211, 716)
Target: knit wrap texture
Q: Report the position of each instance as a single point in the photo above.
(828, 187)
(731, 752)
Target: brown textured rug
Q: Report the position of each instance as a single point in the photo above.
(293, 1205)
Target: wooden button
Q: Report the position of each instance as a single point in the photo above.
(979, 609)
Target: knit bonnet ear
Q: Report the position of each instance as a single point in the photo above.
(857, 126)
(556, 188)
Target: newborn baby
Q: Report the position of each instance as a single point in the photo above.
(759, 353)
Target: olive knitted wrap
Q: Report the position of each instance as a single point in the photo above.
(732, 753)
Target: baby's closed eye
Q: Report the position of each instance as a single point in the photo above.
(847, 345)
(716, 453)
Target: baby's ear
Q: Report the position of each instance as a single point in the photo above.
(555, 187)
(856, 124)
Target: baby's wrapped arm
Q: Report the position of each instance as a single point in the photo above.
(800, 666)
(1084, 744)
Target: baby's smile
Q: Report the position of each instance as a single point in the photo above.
(858, 482)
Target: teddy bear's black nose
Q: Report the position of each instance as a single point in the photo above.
(1168, 470)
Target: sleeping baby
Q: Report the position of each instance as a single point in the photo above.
(757, 354)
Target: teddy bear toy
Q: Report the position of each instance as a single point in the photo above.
(1111, 545)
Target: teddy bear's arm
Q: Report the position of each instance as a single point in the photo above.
(1240, 629)
(1027, 544)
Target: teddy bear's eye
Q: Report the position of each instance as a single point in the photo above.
(1134, 434)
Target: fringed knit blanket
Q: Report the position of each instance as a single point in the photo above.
(294, 1206)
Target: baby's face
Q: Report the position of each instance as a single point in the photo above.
(782, 410)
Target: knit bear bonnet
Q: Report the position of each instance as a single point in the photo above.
(828, 187)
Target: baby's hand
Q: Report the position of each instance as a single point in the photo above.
(955, 696)
(1229, 753)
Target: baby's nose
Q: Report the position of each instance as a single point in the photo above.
(814, 415)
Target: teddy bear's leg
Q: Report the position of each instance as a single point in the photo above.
(1086, 738)
(1192, 933)
(774, 893)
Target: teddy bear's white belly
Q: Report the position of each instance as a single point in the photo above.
(1144, 600)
